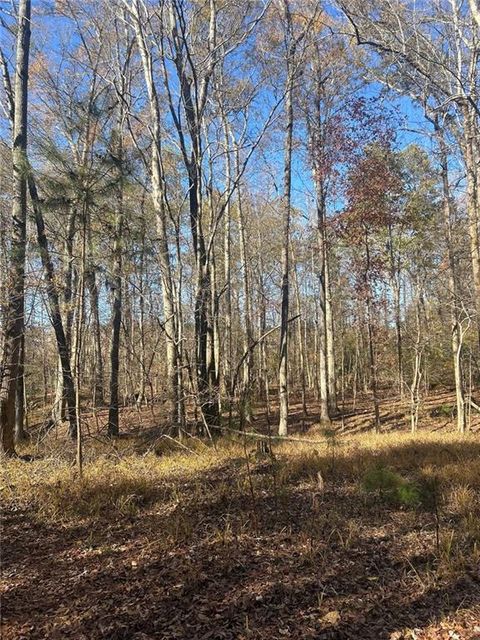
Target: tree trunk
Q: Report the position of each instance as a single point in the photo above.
(299, 334)
(322, 317)
(91, 282)
(228, 350)
(286, 212)
(158, 198)
(15, 308)
(417, 365)
(113, 409)
(20, 399)
(59, 404)
(78, 343)
(248, 335)
(371, 337)
(324, 337)
(142, 360)
(395, 285)
(214, 333)
(54, 305)
(329, 333)
(263, 345)
(472, 202)
(452, 283)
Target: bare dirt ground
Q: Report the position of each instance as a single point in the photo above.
(227, 544)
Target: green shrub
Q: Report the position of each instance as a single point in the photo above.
(444, 411)
(409, 495)
(391, 487)
(381, 480)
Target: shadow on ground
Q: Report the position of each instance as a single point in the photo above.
(239, 555)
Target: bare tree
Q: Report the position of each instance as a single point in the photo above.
(292, 40)
(159, 198)
(11, 365)
(440, 63)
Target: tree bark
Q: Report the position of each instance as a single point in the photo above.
(15, 309)
(452, 282)
(286, 213)
(158, 198)
(54, 305)
(299, 335)
(329, 333)
(395, 285)
(59, 404)
(20, 399)
(371, 337)
(323, 346)
(417, 365)
(248, 335)
(113, 409)
(472, 201)
(91, 282)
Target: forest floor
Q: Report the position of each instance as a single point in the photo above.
(336, 534)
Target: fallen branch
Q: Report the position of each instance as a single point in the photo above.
(262, 436)
(474, 405)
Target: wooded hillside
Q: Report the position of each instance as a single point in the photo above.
(240, 318)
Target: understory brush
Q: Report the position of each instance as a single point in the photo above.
(436, 474)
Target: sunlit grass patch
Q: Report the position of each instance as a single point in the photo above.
(112, 485)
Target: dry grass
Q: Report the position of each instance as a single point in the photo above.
(115, 482)
(119, 480)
